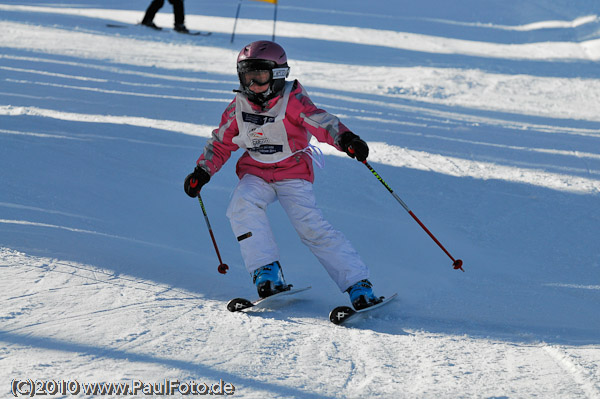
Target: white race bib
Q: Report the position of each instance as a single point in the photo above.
(263, 134)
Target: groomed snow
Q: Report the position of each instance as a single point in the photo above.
(483, 117)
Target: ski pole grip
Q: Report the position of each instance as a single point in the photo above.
(351, 151)
(193, 182)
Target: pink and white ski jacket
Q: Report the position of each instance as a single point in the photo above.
(275, 138)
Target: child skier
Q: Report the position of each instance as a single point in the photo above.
(272, 120)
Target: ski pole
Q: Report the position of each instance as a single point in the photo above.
(222, 266)
(457, 263)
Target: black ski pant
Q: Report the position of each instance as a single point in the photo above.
(157, 5)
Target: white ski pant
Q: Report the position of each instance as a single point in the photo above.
(248, 218)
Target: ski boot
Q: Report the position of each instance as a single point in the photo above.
(181, 28)
(269, 280)
(151, 24)
(361, 295)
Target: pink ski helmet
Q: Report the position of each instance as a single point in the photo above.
(263, 50)
(263, 55)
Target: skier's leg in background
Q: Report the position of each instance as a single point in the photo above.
(152, 10)
(178, 12)
(248, 218)
(330, 246)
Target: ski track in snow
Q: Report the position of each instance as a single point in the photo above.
(578, 370)
(108, 274)
(174, 126)
(74, 230)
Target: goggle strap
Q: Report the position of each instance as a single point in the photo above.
(280, 73)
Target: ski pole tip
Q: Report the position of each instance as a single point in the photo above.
(458, 264)
(223, 268)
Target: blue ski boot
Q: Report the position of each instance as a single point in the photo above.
(269, 280)
(361, 295)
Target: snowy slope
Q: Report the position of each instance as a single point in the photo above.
(483, 117)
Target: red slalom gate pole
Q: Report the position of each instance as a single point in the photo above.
(457, 263)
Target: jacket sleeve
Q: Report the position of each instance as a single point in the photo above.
(325, 127)
(219, 147)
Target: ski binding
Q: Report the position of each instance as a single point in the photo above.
(240, 304)
(342, 314)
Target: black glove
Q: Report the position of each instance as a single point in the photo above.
(194, 181)
(354, 146)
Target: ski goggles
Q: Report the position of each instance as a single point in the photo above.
(263, 76)
(260, 72)
(260, 77)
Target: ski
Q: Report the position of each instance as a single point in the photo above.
(240, 304)
(342, 314)
(194, 33)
